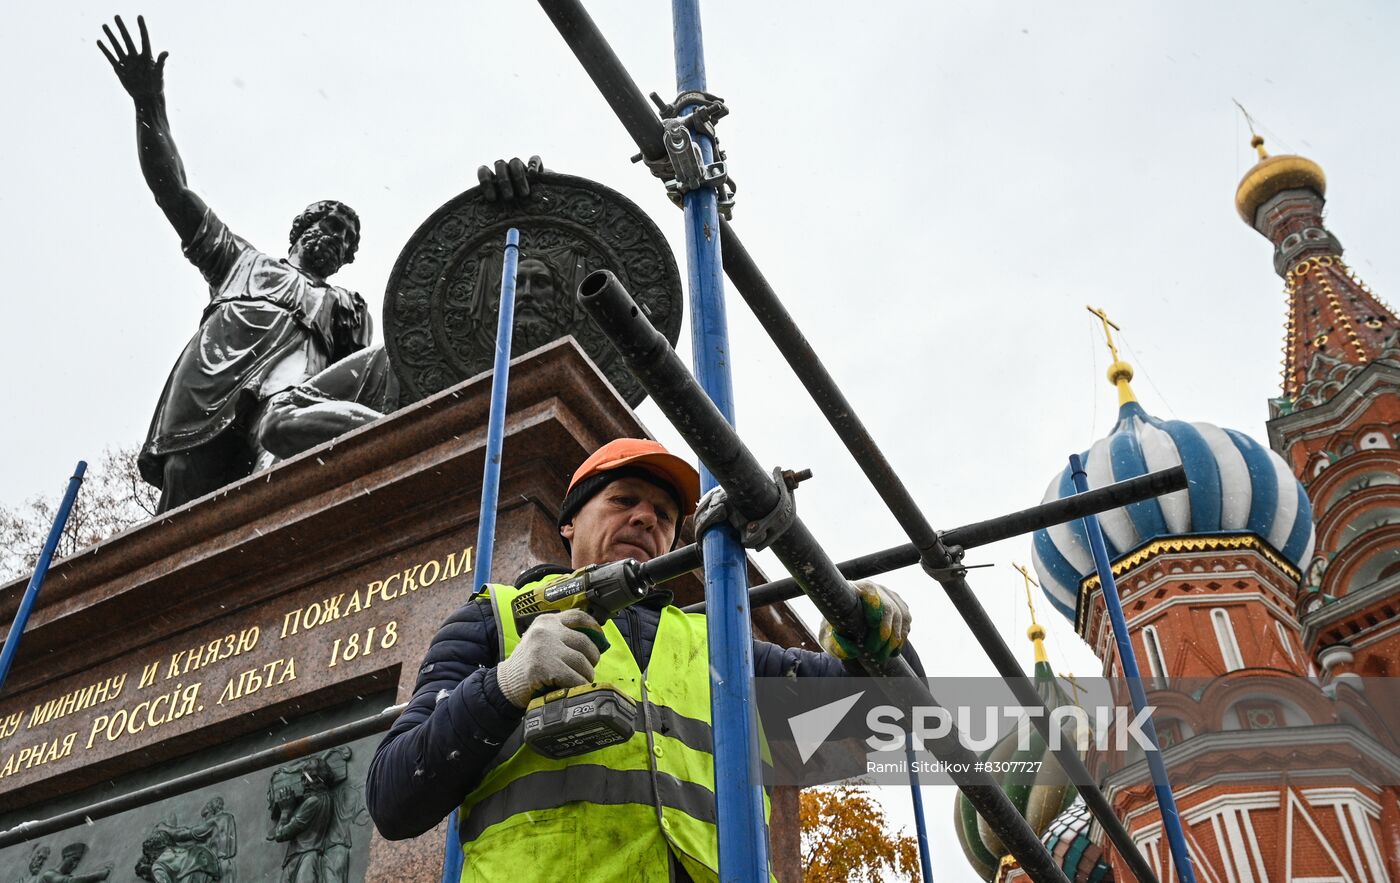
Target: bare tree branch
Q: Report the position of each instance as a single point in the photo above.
(113, 497)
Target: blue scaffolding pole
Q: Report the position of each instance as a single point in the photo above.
(743, 837)
(1166, 801)
(490, 483)
(41, 569)
(920, 827)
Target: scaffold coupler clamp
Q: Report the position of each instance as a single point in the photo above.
(954, 569)
(683, 167)
(759, 533)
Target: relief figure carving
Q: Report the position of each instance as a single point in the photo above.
(314, 809)
(66, 871)
(199, 853)
(37, 859)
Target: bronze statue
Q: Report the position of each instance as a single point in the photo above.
(443, 297)
(270, 323)
(363, 387)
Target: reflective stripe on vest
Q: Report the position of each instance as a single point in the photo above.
(632, 805)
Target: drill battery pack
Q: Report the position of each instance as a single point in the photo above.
(576, 720)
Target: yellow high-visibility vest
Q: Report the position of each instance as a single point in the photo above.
(615, 813)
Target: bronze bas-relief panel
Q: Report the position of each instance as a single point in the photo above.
(299, 821)
(443, 295)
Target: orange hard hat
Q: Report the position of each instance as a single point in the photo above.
(639, 455)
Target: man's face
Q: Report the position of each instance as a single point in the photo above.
(535, 288)
(325, 244)
(630, 518)
(69, 864)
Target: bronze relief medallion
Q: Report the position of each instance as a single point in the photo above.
(442, 300)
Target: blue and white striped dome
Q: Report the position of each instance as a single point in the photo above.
(1236, 486)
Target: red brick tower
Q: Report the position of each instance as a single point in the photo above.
(1277, 777)
(1337, 423)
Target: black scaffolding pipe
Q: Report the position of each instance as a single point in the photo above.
(637, 116)
(969, 536)
(934, 554)
(297, 748)
(753, 494)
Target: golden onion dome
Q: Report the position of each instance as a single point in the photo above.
(1271, 176)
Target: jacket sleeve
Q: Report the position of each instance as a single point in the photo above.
(772, 661)
(438, 749)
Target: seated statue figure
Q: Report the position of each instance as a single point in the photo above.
(362, 387)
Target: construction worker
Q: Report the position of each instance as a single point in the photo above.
(640, 810)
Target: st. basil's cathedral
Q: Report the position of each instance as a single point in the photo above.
(1263, 603)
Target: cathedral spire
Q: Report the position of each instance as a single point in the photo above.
(1335, 325)
(1036, 632)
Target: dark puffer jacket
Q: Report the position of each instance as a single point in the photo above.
(438, 749)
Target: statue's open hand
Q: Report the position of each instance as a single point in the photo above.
(510, 180)
(141, 75)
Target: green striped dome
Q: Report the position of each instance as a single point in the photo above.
(1038, 796)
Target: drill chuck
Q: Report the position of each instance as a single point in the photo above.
(602, 589)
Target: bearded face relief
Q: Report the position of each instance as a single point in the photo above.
(539, 309)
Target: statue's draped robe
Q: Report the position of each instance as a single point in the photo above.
(365, 378)
(268, 327)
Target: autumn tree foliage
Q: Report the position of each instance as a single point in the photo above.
(844, 839)
(112, 498)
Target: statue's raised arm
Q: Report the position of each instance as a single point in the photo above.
(270, 322)
(143, 78)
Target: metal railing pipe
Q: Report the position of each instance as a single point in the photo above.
(752, 493)
(937, 561)
(1112, 496)
(221, 772)
(970, 536)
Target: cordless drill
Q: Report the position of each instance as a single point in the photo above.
(574, 720)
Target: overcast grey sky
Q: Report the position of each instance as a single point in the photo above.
(936, 190)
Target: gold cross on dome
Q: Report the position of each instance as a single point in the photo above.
(1107, 325)
(1074, 685)
(1030, 581)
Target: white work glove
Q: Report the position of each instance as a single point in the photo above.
(887, 618)
(553, 654)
